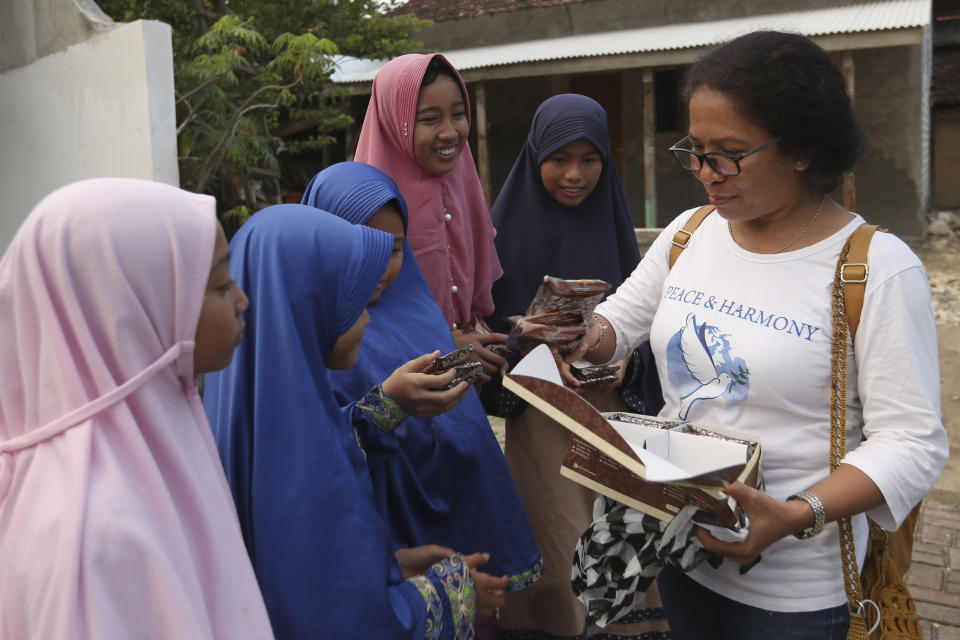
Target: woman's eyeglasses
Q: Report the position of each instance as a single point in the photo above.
(726, 164)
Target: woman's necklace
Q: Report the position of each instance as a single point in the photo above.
(795, 240)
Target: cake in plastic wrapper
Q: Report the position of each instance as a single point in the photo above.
(559, 313)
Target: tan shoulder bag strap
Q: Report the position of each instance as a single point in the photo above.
(854, 272)
(682, 237)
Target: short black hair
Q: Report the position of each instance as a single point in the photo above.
(437, 67)
(788, 85)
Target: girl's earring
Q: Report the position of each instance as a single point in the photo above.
(404, 129)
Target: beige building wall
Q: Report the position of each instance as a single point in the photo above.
(946, 158)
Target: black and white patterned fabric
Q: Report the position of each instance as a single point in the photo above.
(620, 554)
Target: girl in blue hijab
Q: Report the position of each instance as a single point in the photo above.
(321, 551)
(561, 212)
(440, 479)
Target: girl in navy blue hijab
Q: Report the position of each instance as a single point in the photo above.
(321, 551)
(561, 212)
(439, 479)
(587, 234)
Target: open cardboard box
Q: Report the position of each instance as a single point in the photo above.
(649, 463)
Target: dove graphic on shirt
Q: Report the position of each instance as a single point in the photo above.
(699, 362)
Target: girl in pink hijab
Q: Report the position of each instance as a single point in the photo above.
(416, 131)
(115, 517)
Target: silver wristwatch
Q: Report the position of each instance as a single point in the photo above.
(819, 514)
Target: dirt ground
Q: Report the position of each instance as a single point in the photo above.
(941, 258)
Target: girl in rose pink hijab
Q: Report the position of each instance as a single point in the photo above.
(115, 517)
(416, 131)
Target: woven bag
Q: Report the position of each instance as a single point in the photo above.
(879, 594)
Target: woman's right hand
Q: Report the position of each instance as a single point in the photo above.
(587, 342)
(492, 362)
(420, 394)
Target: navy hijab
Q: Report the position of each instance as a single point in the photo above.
(537, 236)
(320, 549)
(440, 480)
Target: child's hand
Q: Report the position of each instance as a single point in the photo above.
(490, 589)
(420, 394)
(414, 561)
(492, 362)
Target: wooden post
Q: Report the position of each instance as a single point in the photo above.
(849, 179)
(349, 146)
(483, 149)
(649, 146)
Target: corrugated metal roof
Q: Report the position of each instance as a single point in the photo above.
(852, 18)
(349, 69)
(446, 10)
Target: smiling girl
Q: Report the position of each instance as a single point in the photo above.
(416, 131)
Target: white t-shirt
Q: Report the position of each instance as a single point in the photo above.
(743, 340)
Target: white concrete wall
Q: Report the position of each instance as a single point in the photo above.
(104, 107)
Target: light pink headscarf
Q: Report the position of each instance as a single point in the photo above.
(115, 517)
(458, 252)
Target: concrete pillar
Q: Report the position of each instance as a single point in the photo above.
(849, 179)
(483, 149)
(649, 150)
(101, 107)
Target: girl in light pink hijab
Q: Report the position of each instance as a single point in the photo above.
(415, 131)
(115, 517)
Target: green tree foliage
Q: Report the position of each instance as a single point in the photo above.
(244, 67)
(359, 28)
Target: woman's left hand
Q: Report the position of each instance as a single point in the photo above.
(770, 520)
(564, 368)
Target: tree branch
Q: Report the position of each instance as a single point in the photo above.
(203, 85)
(189, 118)
(246, 107)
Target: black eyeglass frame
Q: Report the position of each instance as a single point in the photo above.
(707, 157)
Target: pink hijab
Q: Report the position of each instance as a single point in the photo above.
(456, 255)
(115, 517)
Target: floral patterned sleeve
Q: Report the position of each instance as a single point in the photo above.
(374, 418)
(381, 410)
(448, 591)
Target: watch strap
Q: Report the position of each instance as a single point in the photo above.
(819, 514)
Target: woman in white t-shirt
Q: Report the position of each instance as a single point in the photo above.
(771, 131)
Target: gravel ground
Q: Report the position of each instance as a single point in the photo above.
(941, 258)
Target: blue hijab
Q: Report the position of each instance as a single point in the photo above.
(319, 547)
(439, 480)
(537, 236)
